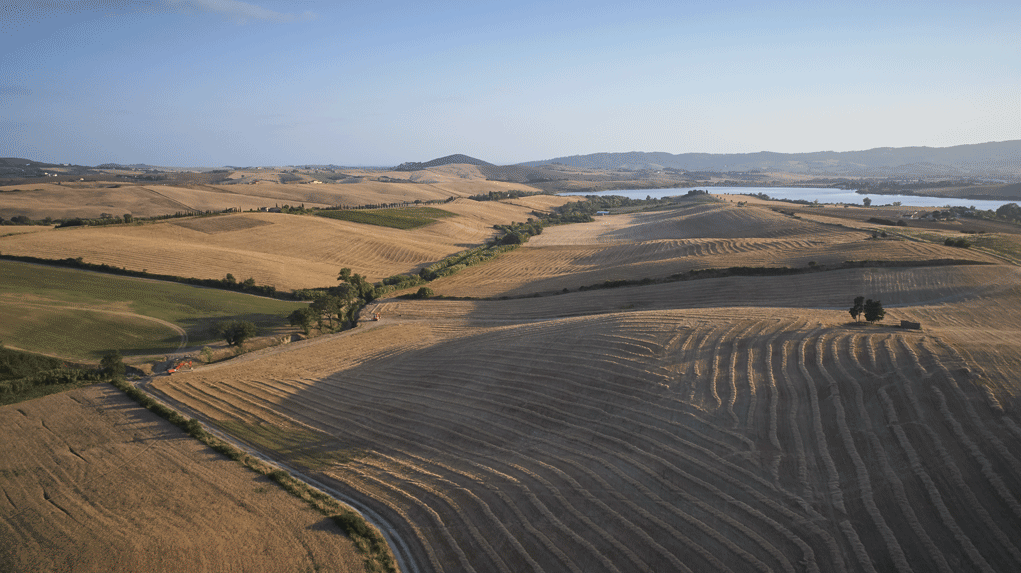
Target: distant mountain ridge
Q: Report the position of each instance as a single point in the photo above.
(996, 159)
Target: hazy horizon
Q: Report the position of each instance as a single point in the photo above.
(208, 83)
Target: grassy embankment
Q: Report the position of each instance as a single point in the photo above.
(81, 315)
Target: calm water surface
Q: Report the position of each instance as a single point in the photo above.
(820, 194)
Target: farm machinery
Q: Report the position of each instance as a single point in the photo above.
(178, 366)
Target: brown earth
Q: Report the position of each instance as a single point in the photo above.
(93, 482)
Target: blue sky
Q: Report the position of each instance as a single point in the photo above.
(226, 82)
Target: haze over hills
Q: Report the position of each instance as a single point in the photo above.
(995, 159)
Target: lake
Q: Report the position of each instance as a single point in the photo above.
(820, 194)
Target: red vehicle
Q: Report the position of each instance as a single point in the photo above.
(179, 365)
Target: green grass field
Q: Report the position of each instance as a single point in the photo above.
(82, 314)
(399, 218)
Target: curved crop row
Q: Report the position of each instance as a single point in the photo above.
(595, 443)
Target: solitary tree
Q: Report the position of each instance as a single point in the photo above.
(858, 307)
(866, 201)
(112, 364)
(874, 310)
(235, 332)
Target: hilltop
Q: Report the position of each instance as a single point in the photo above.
(454, 159)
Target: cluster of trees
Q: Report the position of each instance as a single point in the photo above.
(766, 197)
(582, 211)
(458, 261)
(517, 233)
(871, 309)
(336, 306)
(1009, 212)
(961, 243)
(24, 220)
(104, 219)
(512, 194)
(24, 372)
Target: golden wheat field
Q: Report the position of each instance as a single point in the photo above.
(725, 424)
(659, 244)
(285, 251)
(251, 190)
(93, 482)
(729, 424)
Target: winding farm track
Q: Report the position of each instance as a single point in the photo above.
(692, 439)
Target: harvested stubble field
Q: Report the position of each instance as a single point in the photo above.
(735, 424)
(251, 189)
(285, 251)
(94, 482)
(659, 244)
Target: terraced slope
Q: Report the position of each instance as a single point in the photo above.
(93, 482)
(760, 438)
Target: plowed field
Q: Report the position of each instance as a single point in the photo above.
(93, 482)
(736, 424)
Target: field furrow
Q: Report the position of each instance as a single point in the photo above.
(537, 435)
